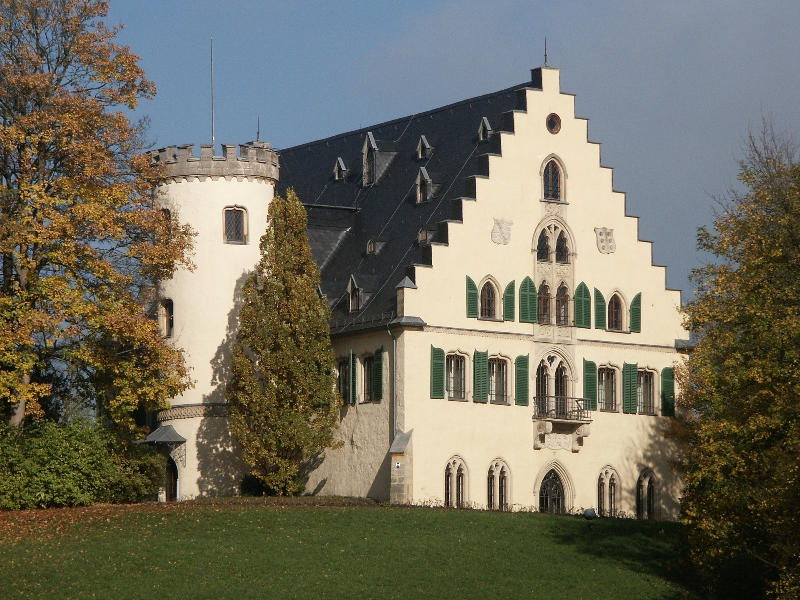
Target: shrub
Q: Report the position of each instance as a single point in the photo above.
(49, 464)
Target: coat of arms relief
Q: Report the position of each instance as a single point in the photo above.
(605, 240)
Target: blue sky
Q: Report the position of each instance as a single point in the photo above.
(669, 88)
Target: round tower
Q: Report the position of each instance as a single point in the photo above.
(224, 199)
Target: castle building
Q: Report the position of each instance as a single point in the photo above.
(503, 339)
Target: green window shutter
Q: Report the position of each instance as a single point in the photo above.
(629, 385)
(636, 313)
(521, 372)
(590, 384)
(583, 306)
(377, 376)
(480, 377)
(599, 310)
(527, 301)
(668, 392)
(437, 372)
(508, 302)
(353, 379)
(472, 298)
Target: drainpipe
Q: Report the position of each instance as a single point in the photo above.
(394, 381)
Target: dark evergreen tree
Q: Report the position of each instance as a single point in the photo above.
(282, 401)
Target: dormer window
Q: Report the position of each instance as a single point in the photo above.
(484, 130)
(235, 225)
(368, 158)
(424, 186)
(370, 247)
(422, 236)
(354, 294)
(424, 149)
(339, 170)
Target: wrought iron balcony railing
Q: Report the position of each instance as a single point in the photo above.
(561, 408)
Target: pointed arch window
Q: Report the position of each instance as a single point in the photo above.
(455, 483)
(488, 301)
(497, 486)
(551, 494)
(646, 499)
(615, 313)
(542, 384)
(552, 181)
(562, 306)
(562, 249)
(561, 388)
(544, 304)
(543, 247)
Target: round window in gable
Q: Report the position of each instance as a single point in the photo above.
(553, 122)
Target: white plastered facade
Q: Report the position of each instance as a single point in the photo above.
(479, 433)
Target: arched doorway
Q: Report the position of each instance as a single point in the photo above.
(172, 480)
(551, 494)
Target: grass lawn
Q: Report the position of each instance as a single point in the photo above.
(267, 549)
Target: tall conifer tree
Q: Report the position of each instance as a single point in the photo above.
(282, 403)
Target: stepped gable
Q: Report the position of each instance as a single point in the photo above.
(344, 214)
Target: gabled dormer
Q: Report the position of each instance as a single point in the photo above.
(339, 170)
(353, 294)
(424, 186)
(368, 156)
(376, 157)
(424, 149)
(484, 130)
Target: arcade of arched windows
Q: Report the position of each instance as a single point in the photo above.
(553, 490)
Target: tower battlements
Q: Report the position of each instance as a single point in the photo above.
(254, 159)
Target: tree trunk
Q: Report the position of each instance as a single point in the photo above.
(18, 409)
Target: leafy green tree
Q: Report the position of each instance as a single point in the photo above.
(282, 404)
(82, 238)
(741, 385)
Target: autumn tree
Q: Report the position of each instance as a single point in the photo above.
(282, 404)
(82, 239)
(741, 385)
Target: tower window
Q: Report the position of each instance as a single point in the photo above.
(235, 225)
(167, 317)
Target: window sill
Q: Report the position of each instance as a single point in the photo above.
(234, 243)
(495, 319)
(553, 201)
(464, 399)
(608, 410)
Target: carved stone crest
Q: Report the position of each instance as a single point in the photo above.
(501, 232)
(558, 441)
(605, 240)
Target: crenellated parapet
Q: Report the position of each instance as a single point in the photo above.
(253, 160)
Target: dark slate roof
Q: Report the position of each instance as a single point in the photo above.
(344, 214)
